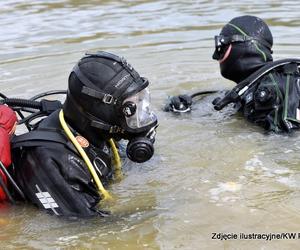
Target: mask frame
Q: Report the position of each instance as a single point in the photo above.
(222, 42)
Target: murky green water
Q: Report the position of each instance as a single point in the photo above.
(212, 172)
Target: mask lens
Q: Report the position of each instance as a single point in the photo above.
(221, 45)
(218, 43)
(143, 115)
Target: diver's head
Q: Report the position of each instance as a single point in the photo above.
(106, 99)
(243, 46)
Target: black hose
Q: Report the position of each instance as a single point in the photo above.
(44, 107)
(31, 117)
(27, 110)
(16, 102)
(14, 184)
(21, 102)
(27, 120)
(5, 189)
(2, 96)
(17, 110)
(204, 93)
(52, 92)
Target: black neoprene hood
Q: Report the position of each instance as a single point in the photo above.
(246, 56)
(248, 25)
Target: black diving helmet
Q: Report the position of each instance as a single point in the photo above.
(106, 99)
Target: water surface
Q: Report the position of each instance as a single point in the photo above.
(212, 171)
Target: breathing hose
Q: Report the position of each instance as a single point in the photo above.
(14, 102)
(117, 160)
(204, 93)
(84, 156)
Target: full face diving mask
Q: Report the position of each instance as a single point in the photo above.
(117, 108)
(138, 114)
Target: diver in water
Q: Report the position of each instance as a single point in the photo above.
(267, 92)
(64, 163)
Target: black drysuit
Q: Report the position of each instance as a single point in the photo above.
(273, 101)
(53, 175)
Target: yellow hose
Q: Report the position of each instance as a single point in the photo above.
(117, 160)
(84, 156)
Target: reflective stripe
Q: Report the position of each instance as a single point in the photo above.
(46, 200)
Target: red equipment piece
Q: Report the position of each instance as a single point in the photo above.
(8, 122)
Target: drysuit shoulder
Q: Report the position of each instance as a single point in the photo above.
(55, 179)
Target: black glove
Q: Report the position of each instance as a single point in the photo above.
(179, 104)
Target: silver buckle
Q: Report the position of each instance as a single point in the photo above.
(107, 98)
(115, 129)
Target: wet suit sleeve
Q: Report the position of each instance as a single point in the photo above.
(57, 180)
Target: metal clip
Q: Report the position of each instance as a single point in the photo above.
(107, 98)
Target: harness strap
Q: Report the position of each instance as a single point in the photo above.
(239, 90)
(40, 138)
(91, 89)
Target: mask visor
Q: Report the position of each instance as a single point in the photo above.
(143, 115)
(222, 42)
